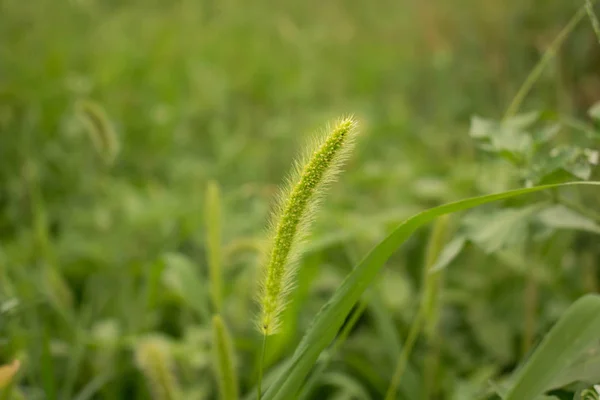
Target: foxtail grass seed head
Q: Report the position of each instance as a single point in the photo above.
(293, 214)
(154, 358)
(100, 130)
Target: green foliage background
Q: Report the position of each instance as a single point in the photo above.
(98, 256)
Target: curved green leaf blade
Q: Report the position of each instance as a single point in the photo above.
(576, 331)
(331, 317)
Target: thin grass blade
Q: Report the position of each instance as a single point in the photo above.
(223, 359)
(213, 242)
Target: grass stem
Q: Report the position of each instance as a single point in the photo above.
(261, 367)
(415, 329)
(589, 8)
(427, 314)
(536, 72)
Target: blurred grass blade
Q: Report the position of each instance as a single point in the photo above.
(223, 360)
(332, 316)
(347, 384)
(537, 71)
(576, 330)
(213, 242)
(431, 279)
(47, 366)
(311, 384)
(589, 7)
(432, 304)
(91, 389)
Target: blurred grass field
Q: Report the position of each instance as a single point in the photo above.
(103, 244)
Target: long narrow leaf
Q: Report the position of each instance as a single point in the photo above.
(576, 331)
(331, 317)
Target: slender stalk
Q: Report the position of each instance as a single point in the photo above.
(431, 368)
(224, 363)
(261, 367)
(427, 315)
(537, 71)
(213, 243)
(589, 8)
(530, 308)
(415, 329)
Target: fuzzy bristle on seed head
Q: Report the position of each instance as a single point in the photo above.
(293, 214)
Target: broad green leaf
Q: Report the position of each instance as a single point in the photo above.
(594, 111)
(561, 217)
(547, 133)
(333, 314)
(507, 138)
(574, 160)
(522, 121)
(592, 393)
(500, 229)
(575, 332)
(585, 369)
(481, 128)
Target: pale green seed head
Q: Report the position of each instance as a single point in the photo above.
(100, 130)
(154, 358)
(293, 215)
